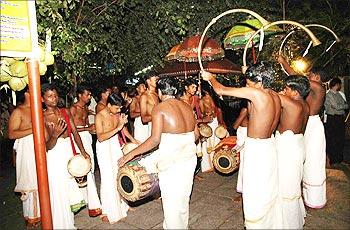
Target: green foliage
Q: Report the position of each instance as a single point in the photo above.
(131, 35)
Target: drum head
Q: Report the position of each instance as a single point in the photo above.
(225, 161)
(220, 132)
(78, 166)
(128, 147)
(127, 183)
(205, 130)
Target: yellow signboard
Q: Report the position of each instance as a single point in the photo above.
(18, 28)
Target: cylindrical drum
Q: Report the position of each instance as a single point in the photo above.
(225, 160)
(134, 183)
(78, 166)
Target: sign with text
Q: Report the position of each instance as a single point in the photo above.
(18, 28)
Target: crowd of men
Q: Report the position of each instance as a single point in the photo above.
(282, 163)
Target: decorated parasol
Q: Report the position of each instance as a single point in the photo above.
(188, 50)
(172, 53)
(239, 34)
(222, 66)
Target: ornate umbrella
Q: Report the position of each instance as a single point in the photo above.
(223, 66)
(238, 36)
(172, 53)
(188, 50)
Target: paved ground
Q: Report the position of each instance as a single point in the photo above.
(214, 205)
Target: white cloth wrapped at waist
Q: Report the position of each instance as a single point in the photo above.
(173, 148)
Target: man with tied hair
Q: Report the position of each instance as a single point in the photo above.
(314, 172)
(80, 112)
(174, 129)
(262, 208)
(65, 196)
(109, 121)
(291, 149)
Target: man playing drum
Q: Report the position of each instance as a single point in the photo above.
(20, 128)
(80, 114)
(109, 121)
(314, 177)
(174, 129)
(260, 182)
(291, 149)
(64, 191)
(213, 117)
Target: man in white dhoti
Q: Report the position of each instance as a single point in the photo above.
(148, 100)
(241, 126)
(109, 122)
(174, 129)
(140, 130)
(65, 197)
(213, 116)
(291, 149)
(80, 113)
(314, 177)
(261, 205)
(20, 128)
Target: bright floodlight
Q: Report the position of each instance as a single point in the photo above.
(299, 65)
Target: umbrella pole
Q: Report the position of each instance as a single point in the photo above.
(253, 53)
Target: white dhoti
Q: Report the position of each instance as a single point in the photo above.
(262, 208)
(314, 178)
(208, 146)
(207, 158)
(90, 191)
(108, 153)
(291, 153)
(140, 130)
(241, 136)
(176, 162)
(65, 195)
(26, 180)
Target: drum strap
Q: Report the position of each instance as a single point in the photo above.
(69, 129)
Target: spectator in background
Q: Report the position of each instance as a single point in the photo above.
(335, 107)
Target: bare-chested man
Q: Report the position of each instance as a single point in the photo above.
(109, 121)
(103, 93)
(80, 113)
(212, 116)
(291, 149)
(140, 130)
(174, 129)
(65, 196)
(189, 96)
(20, 128)
(260, 178)
(148, 100)
(314, 173)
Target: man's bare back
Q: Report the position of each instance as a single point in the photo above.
(148, 100)
(294, 115)
(174, 114)
(316, 97)
(264, 112)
